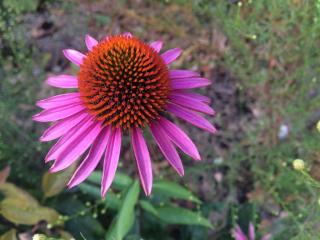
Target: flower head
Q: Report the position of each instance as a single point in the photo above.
(318, 126)
(124, 85)
(298, 164)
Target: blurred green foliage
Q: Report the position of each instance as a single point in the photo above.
(272, 52)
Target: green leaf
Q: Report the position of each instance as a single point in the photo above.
(11, 191)
(173, 190)
(65, 235)
(9, 235)
(126, 214)
(147, 206)
(177, 215)
(122, 224)
(54, 183)
(112, 200)
(20, 212)
(20, 6)
(120, 181)
(83, 225)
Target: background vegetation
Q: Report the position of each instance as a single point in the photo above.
(263, 57)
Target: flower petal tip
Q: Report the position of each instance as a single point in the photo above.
(148, 194)
(197, 158)
(69, 186)
(42, 139)
(73, 56)
(90, 42)
(36, 117)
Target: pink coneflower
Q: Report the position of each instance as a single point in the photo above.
(239, 235)
(124, 85)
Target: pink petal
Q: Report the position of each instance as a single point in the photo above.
(74, 56)
(156, 45)
(143, 159)
(59, 100)
(194, 95)
(167, 148)
(191, 117)
(70, 136)
(239, 235)
(111, 160)
(57, 113)
(90, 42)
(191, 103)
(171, 55)
(251, 232)
(179, 138)
(188, 83)
(266, 237)
(63, 81)
(63, 126)
(183, 74)
(127, 34)
(91, 161)
(76, 148)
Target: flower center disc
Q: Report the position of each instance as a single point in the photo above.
(124, 82)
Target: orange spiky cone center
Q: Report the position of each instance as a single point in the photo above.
(124, 82)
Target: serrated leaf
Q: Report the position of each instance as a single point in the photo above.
(177, 215)
(111, 200)
(13, 192)
(173, 190)
(18, 212)
(9, 235)
(54, 183)
(147, 206)
(120, 181)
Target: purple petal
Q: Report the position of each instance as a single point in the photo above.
(59, 100)
(188, 83)
(191, 103)
(183, 74)
(76, 148)
(141, 153)
(74, 56)
(70, 136)
(191, 117)
(239, 235)
(90, 42)
(111, 160)
(251, 232)
(194, 95)
(156, 45)
(63, 81)
(171, 55)
(127, 34)
(167, 148)
(62, 127)
(57, 113)
(91, 161)
(179, 138)
(266, 237)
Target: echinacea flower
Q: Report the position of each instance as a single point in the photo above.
(239, 235)
(124, 85)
